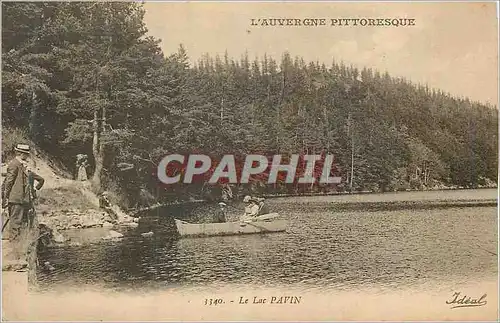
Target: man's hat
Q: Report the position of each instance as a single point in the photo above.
(222, 204)
(22, 148)
(247, 199)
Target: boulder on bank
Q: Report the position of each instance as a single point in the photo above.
(50, 236)
(113, 235)
(107, 224)
(58, 237)
(47, 266)
(147, 234)
(130, 224)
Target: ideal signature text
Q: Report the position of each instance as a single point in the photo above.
(459, 300)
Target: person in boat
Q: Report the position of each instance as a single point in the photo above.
(251, 209)
(263, 209)
(220, 214)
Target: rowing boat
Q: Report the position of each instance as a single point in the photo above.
(266, 223)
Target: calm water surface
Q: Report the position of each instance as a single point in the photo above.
(323, 248)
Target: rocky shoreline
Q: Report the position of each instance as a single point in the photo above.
(53, 224)
(75, 219)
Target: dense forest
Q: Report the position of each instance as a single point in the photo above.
(84, 77)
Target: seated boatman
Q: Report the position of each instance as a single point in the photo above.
(220, 214)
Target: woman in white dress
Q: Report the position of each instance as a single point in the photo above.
(82, 171)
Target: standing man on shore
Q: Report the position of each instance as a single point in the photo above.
(18, 193)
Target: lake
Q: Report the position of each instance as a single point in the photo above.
(390, 240)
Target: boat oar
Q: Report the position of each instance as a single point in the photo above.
(261, 228)
(256, 226)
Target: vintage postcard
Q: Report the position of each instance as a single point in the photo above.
(249, 161)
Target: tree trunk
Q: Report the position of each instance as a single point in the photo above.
(33, 122)
(351, 132)
(282, 97)
(222, 108)
(97, 151)
(352, 163)
(327, 129)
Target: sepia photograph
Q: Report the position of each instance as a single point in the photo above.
(249, 161)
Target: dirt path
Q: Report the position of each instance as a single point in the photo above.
(64, 203)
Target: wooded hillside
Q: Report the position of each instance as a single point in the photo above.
(83, 77)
